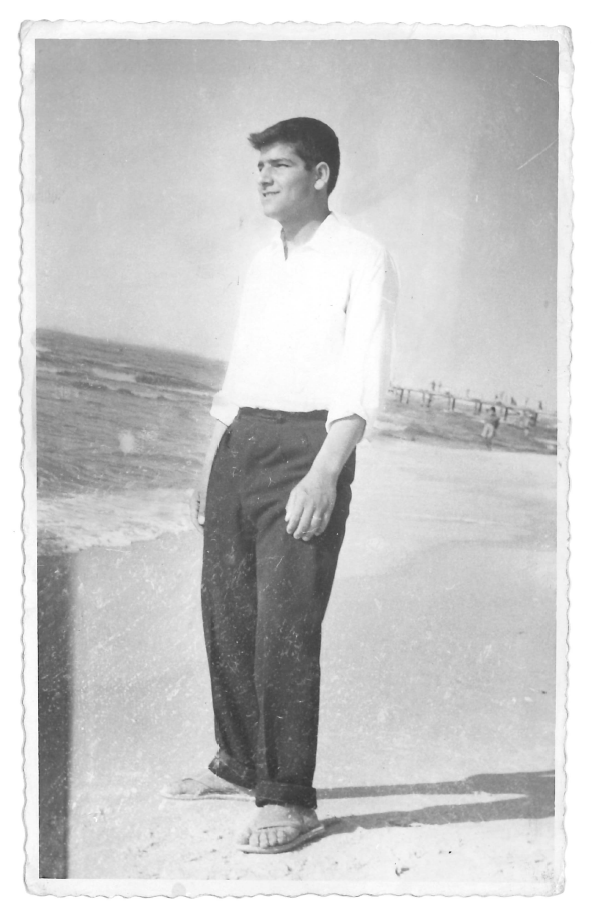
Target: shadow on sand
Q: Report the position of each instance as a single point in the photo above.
(536, 800)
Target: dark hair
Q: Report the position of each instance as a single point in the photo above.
(313, 141)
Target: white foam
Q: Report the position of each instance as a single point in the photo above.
(114, 520)
(113, 375)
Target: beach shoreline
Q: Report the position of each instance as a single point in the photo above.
(438, 645)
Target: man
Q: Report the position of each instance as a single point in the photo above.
(308, 368)
(490, 425)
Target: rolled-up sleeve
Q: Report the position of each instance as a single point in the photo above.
(364, 367)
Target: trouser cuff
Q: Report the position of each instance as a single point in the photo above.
(227, 768)
(268, 792)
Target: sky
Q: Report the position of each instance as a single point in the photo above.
(148, 215)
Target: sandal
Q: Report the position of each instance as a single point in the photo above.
(283, 817)
(207, 786)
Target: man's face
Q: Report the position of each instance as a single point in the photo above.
(286, 186)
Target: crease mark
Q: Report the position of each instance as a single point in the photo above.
(540, 153)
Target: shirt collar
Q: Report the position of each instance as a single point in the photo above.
(322, 238)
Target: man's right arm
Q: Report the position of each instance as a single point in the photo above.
(224, 409)
(198, 498)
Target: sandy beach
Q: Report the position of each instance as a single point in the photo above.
(437, 745)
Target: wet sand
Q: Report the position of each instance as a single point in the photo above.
(436, 748)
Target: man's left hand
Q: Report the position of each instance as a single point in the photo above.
(310, 505)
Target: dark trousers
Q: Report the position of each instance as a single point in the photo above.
(264, 596)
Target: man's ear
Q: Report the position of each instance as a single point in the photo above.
(322, 173)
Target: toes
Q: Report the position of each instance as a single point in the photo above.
(280, 836)
(284, 835)
(267, 838)
(258, 840)
(259, 836)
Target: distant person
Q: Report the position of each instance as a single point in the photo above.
(530, 419)
(490, 426)
(306, 376)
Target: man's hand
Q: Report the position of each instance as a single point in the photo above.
(310, 505)
(197, 501)
(311, 502)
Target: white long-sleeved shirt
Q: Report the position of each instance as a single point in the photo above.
(315, 329)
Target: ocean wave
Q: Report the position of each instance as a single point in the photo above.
(113, 375)
(166, 381)
(91, 395)
(111, 520)
(48, 368)
(146, 392)
(68, 373)
(154, 395)
(124, 366)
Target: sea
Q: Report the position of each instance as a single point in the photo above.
(121, 432)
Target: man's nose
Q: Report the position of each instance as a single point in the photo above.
(264, 177)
